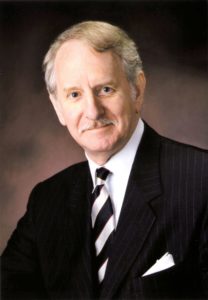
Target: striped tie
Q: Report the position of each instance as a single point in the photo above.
(102, 222)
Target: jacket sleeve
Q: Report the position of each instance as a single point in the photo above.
(20, 271)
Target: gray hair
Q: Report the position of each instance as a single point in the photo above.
(101, 36)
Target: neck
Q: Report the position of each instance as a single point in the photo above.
(100, 159)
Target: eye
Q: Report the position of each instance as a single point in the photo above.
(73, 95)
(105, 91)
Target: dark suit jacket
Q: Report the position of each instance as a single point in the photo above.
(165, 209)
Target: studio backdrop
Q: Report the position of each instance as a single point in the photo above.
(172, 41)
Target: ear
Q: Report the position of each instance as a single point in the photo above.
(58, 109)
(140, 88)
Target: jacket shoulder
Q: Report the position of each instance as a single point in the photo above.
(187, 161)
(54, 189)
(174, 144)
(175, 155)
(66, 174)
(178, 149)
(180, 145)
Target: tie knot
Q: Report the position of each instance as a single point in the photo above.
(102, 173)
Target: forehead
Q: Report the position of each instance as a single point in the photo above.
(77, 58)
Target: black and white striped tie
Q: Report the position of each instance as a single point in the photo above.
(102, 222)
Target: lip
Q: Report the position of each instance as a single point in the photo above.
(98, 128)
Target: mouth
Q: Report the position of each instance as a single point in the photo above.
(101, 125)
(97, 128)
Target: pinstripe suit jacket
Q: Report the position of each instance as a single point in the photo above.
(50, 255)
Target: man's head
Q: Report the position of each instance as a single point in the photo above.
(95, 81)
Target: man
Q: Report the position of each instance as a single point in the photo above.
(132, 221)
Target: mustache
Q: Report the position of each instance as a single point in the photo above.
(97, 124)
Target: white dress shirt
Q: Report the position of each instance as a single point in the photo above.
(120, 166)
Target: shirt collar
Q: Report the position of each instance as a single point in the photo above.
(121, 162)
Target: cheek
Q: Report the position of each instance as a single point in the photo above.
(123, 112)
(72, 117)
(116, 108)
(127, 118)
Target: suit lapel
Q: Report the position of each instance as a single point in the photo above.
(79, 235)
(138, 212)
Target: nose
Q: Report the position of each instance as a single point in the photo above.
(93, 107)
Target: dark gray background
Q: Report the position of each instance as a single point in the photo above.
(172, 39)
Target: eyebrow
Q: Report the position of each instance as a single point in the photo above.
(110, 82)
(107, 82)
(68, 89)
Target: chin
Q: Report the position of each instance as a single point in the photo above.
(105, 144)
